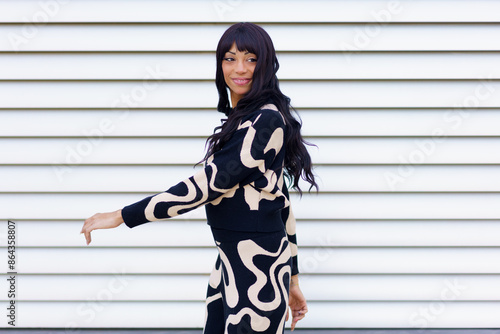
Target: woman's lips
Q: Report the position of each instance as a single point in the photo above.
(241, 81)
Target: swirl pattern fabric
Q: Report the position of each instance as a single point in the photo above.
(249, 285)
(242, 185)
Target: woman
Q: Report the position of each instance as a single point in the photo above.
(242, 187)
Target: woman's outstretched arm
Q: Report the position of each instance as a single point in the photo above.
(245, 158)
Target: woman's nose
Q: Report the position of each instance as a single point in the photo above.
(240, 67)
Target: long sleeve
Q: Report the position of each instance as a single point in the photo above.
(250, 155)
(289, 220)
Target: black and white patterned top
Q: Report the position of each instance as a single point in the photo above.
(242, 185)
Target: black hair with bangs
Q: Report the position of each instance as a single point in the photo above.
(252, 38)
(265, 89)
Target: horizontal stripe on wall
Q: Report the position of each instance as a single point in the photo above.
(123, 95)
(340, 287)
(293, 65)
(323, 122)
(233, 11)
(331, 178)
(327, 233)
(311, 37)
(340, 205)
(103, 314)
(320, 260)
(60, 152)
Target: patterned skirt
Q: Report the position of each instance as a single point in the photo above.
(249, 285)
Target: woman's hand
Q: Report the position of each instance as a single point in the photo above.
(101, 220)
(297, 302)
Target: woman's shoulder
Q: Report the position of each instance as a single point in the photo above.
(265, 114)
(269, 106)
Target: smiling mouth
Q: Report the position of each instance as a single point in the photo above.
(241, 81)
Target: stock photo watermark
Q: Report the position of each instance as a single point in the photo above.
(364, 36)
(425, 316)
(30, 29)
(222, 7)
(11, 273)
(87, 311)
(425, 148)
(76, 154)
(321, 254)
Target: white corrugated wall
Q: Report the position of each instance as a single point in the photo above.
(105, 102)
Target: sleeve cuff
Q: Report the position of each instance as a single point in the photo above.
(295, 267)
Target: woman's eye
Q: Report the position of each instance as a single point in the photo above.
(253, 60)
(228, 59)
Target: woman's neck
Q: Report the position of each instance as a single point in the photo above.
(235, 99)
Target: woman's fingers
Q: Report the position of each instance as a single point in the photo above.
(86, 232)
(86, 229)
(302, 311)
(295, 320)
(99, 221)
(298, 315)
(87, 237)
(298, 304)
(89, 226)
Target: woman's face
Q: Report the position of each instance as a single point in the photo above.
(238, 67)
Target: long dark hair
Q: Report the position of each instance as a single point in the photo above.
(265, 89)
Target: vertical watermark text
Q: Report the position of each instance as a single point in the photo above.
(11, 273)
